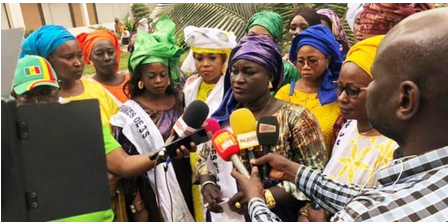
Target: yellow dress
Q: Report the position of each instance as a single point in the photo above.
(326, 115)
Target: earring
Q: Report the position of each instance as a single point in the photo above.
(140, 84)
(270, 85)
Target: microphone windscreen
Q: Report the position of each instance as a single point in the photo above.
(242, 121)
(268, 130)
(195, 114)
(211, 125)
(225, 144)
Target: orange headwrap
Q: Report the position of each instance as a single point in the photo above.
(379, 18)
(88, 40)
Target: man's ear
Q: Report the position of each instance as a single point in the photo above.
(408, 101)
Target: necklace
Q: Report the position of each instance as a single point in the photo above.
(264, 107)
(75, 90)
(367, 132)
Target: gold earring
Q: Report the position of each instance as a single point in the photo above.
(270, 85)
(140, 84)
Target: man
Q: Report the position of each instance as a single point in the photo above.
(406, 102)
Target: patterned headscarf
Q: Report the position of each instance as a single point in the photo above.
(45, 40)
(336, 24)
(206, 40)
(320, 37)
(272, 21)
(88, 40)
(363, 53)
(379, 18)
(159, 46)
(258, 49)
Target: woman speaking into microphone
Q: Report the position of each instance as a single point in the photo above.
(255, 69)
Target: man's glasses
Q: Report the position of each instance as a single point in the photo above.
(351, 91)
(312, 63)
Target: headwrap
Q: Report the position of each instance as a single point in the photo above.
(352, 10)
(272, 21)
(206, 40)
(320, 37)
(159, 46)
(258, 49)
(363, 53)
(88, 40)
(379, 18)
(45, 40)
(336, 24)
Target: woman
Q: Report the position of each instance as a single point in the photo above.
(316, 54)
(331, 20)
(209, 51)
(255, 69)
(61, 49)
(102, 48)
(360, 149)
(271, 24)
(155, 100)
(301, 19)
(353, 18)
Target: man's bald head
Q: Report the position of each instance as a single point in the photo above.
(410, 74)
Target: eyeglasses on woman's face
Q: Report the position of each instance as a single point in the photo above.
(351, 91)
(311, 62)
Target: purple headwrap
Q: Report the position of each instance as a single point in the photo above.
(321, 38)
(45, 40)
(259, 49)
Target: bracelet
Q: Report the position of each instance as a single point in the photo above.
(270, 201)
(208, 182)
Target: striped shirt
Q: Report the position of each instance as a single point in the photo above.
(411, 189)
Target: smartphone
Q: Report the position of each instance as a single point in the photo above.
(198, 137)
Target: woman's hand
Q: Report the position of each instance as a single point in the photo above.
(238, 203)
(184, 152)
(212, 197)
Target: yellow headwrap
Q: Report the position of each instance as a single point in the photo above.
(363, 53)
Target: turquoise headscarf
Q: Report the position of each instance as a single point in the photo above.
(159, 46)
(272, 21)
(45, 40)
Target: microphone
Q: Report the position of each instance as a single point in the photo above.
(244, 126)
(267, 134)
(198, 137)
(193, 117)
(226, 145)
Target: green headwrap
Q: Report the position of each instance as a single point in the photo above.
(272, 21)
(159, 46)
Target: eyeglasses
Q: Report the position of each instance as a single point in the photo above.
(312, 63)
(351, 91)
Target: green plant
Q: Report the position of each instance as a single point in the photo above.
(140, 10)
(99, 27)
(28, 32)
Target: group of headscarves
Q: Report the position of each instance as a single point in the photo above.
(159, 46)
(321, 38)
(45, 40)
(379, 18)
(88, 40)
(259, 49)
(206, 40)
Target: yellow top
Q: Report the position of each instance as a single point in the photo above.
(204, 90)
(325, 115)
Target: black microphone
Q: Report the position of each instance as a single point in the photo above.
(267, 134)
(188, 124)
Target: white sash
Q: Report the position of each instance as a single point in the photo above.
(141, 131)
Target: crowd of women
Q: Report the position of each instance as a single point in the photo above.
(317, 92)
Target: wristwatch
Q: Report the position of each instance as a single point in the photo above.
(136, 207)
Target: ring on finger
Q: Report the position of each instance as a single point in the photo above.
(238, 205)
(207, 205)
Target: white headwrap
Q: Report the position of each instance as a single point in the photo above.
(352, 11)
(206, 40)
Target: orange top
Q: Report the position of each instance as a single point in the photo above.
(117, 91)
